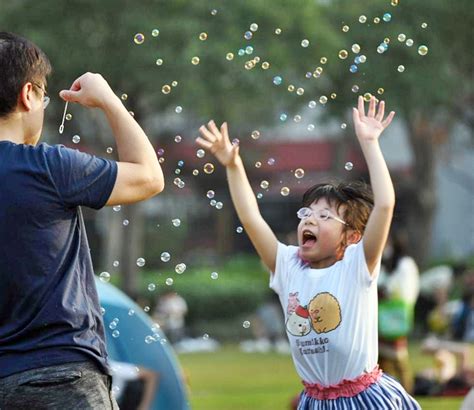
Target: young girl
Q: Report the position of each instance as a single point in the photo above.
(327, 285)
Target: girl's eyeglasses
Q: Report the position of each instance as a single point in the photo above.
(322, 215)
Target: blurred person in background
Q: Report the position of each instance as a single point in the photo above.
(398, 291)
(170, 313)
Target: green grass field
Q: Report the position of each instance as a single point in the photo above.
(232, 380)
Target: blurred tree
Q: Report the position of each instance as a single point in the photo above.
(430, 95)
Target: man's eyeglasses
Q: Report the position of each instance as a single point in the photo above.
(46, 98)
(321, 215)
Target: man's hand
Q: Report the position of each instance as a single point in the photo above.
(369, 127)
(90, 90)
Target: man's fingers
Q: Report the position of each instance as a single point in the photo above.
(381, 112)
(69, 96)
(389, 119)
(203, 143)
(209, 136)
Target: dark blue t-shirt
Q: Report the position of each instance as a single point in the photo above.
(49, 308)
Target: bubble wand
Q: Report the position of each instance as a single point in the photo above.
(61, 127)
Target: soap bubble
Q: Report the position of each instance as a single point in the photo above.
(246, 324)
(212, 202)
(409, 42)
(76, 139)
(177, 138)
(68, 117)
(176, 222)
(239, 229)
(208, 168)
(265, 65)
(264, 184)
(178, 109)
(323, 99)
(376, 20)
(305, 43)
(367, 97)
(310, 127)
(380, 91)
(401, 68)
(205, 336)
(149, 339)
(299, 173)
(203, 36)
(343, 126)
(200, 153)
(285, 191)
(343, 54)
(283, 117)
(355, 48)
(312, 104)
(353, 68)
(219, 205)
(271, 161)
(210, 194)
(362, 58)
(166, 89)
(141, 262)
(146, 309)
(116, 264)
(277, 80)
(109, 150)
(165, 256)
(255, 134)
(151, 287)
(124, 97)
(254, 27)
(300, 91)
(174, 83)
(195, 60)
(104, 277)
(387, 17)
(125, 222)
(248, 35)
(362, 19)
(229, 56)
(355, 88)
(131, 312)
(249, 50)
(422, 50)
(139, 38)
(345, 28)
(117, 208)
(169, 281)
(115, 333)
(348, 166)
(258, 164)
(213, 12)
(424, 25)
(214, 275)
(278, 31)
(401, 37)
(180, 268)
(291, 88)
(155, 32)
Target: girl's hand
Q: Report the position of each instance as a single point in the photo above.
(369, 127)
(218, 143)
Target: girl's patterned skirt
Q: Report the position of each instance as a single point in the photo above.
(371, 391)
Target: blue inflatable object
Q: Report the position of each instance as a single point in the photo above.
(129, 345)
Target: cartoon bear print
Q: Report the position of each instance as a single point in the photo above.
(325, 312)
(299, 323)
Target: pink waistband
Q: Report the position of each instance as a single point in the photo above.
(345, 388)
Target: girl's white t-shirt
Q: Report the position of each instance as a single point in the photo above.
(330, 314)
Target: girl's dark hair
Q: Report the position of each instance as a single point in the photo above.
(20, 61)
(355, 196)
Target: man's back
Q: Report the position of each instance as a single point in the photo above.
(49, 306)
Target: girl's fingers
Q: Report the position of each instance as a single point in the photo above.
(209, 136)
(355, 115)
(225, 130)
(381, 112)
(361, 108)
(213, 128)
(389, 119)
(371, 112)
(203, 143)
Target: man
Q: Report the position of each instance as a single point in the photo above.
(52, 343)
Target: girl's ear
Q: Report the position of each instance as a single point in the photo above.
(353, 236)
